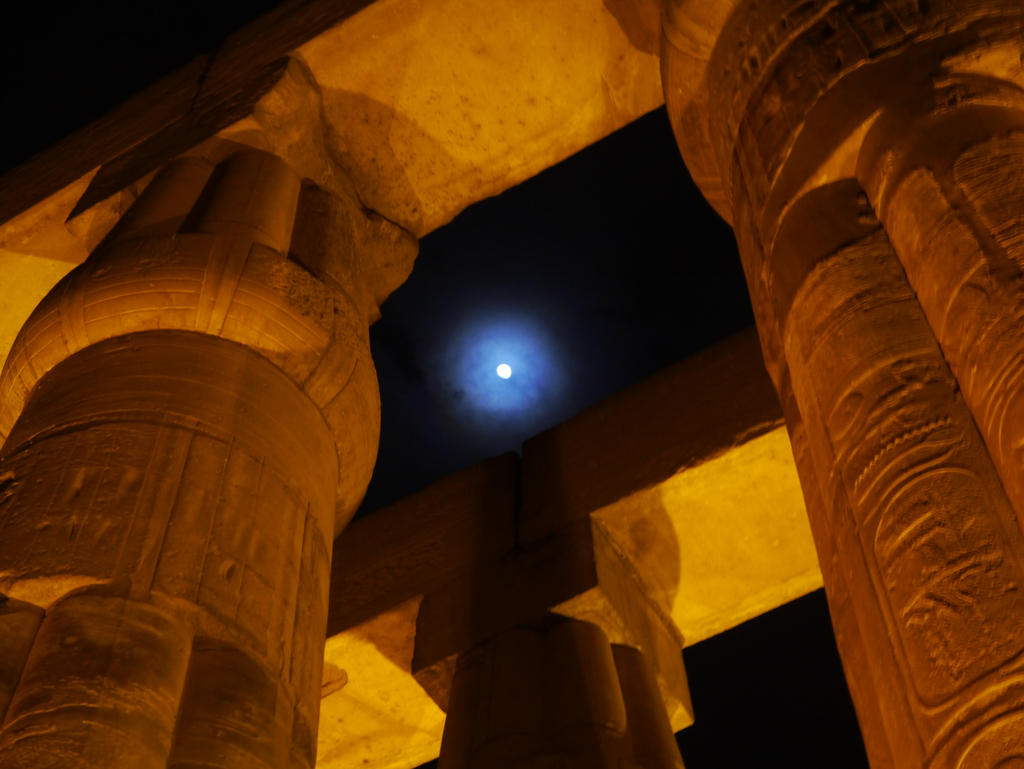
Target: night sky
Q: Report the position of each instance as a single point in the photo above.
(585, 279)
(592, 275)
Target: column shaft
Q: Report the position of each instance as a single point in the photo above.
(917, 508)
(947, 175)
(556, 694)
(175, 412)
(916, 534)
(861, 675)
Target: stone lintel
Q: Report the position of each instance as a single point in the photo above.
(502, 90)
(423, 542)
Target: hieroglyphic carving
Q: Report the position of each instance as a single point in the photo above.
(211, 518)
(166, 468)
(841, 584)
(989, 175)
(935, 532)
(222, 276)
(796, 95)
(907, 467)
(789, 81)
(946, 177)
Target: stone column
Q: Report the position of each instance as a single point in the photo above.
(190, 417)
(783, 104)
(933, 552)
(945, 170)
(556, 694)
(846, 626)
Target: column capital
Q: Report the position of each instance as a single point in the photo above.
(208, 249)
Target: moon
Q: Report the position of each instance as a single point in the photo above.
(504, 370)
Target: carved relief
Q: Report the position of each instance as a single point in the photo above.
(847, 627)
(947, 178)
(948, 573)
(931, 523)
(167, 471)
(180, 260)
(901, 445)
(791, 97)
(989, 175)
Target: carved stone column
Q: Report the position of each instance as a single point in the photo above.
(945, 170)
(556, 694)
(933, 552)
(778, 106)
(850, 641)
(190, 417)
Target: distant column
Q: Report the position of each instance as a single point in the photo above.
(190, 416)
(800, 121)
(556, 694)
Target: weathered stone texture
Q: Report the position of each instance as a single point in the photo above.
(896, 443)
(917, 538)
(414, 109)
(100, 686)
(837, 578)
(19, 622)
(947, 176)
(471, 96)
(210, 257)
(159, 479)
(176, 413)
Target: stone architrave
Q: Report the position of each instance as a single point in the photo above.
(190, 417)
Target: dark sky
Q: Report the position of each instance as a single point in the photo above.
(594, 274)
(587, 278)
(65, 63)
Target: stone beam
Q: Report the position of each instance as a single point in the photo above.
(415, 110)
(682, 527)
(199, 93)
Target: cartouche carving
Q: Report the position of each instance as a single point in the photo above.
(947, 177)
(931, 524)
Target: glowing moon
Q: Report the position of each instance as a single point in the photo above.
(504, 370)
